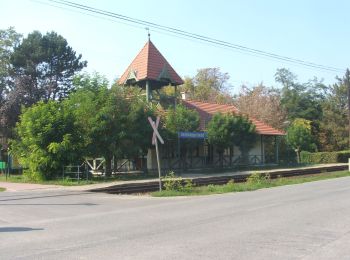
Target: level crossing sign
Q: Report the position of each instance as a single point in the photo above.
(156, 136)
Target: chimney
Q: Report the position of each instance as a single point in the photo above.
(185, 95)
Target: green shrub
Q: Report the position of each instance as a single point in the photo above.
(325, 157)
(258, 178)
(188, 185)
(211, 187)
(172, 183)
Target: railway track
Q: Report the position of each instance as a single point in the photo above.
(144, 187)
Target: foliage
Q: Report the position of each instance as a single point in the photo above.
(262, 103)
(181, 119)
(209, 84)
(258, 178)
(325, 157)
(299, 136)
(334, 127)
(174, 183)
(171, 182)
(50, 63)
(300, 100)
(101, 114)
(112, 123)
(41, 68)
(139, 132)
(46, 140)
(9, 39)
(226, 130)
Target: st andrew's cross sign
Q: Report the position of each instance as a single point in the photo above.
(156, 136)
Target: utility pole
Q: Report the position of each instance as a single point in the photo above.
(347, 83)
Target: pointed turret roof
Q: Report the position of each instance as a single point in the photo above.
(151, 65)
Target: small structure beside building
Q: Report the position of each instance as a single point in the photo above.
(151, 71)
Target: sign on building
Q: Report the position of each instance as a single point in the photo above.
(192, 135)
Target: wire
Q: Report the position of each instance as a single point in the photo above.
(184, 34)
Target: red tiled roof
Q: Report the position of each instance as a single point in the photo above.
(207, 110)
(149, 64)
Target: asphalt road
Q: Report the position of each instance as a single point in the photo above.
(307, 221)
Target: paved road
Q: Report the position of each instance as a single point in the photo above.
(307, 221)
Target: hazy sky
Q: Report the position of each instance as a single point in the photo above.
(315, 31)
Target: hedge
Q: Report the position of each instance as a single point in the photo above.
(325, 157)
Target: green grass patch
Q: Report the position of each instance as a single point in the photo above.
(2, 189)
(255, 182)
(75, 182)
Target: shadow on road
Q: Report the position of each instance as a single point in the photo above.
(18, 229)
(49, 204)
(14, 196)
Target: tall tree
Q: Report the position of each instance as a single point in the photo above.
(101, 115)
(335, 123)
(209, 84)
(42, 68)
(262, 103)
(301, 100)
(9, 39)
(49, 61)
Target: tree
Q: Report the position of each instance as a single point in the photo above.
(262, 103)
(101, 114)
(209, 84)
(46, 140)
(301, 100)
(299, 136)
(42, 68)
(50, 62)
(181, 119)
(226, 130)
(9, 39)
(335, 122)
(139, 132)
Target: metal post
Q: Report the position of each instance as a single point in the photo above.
(158, 162)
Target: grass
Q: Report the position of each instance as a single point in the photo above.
(74, 182)
(253, 184)
(2, 189)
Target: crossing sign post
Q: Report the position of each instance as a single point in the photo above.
(156, 136)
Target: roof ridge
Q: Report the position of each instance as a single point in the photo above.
(213, 103)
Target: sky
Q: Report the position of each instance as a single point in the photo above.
(312, 30)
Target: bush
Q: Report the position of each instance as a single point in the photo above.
(325, 157)
(258, 178)
(173, 183)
